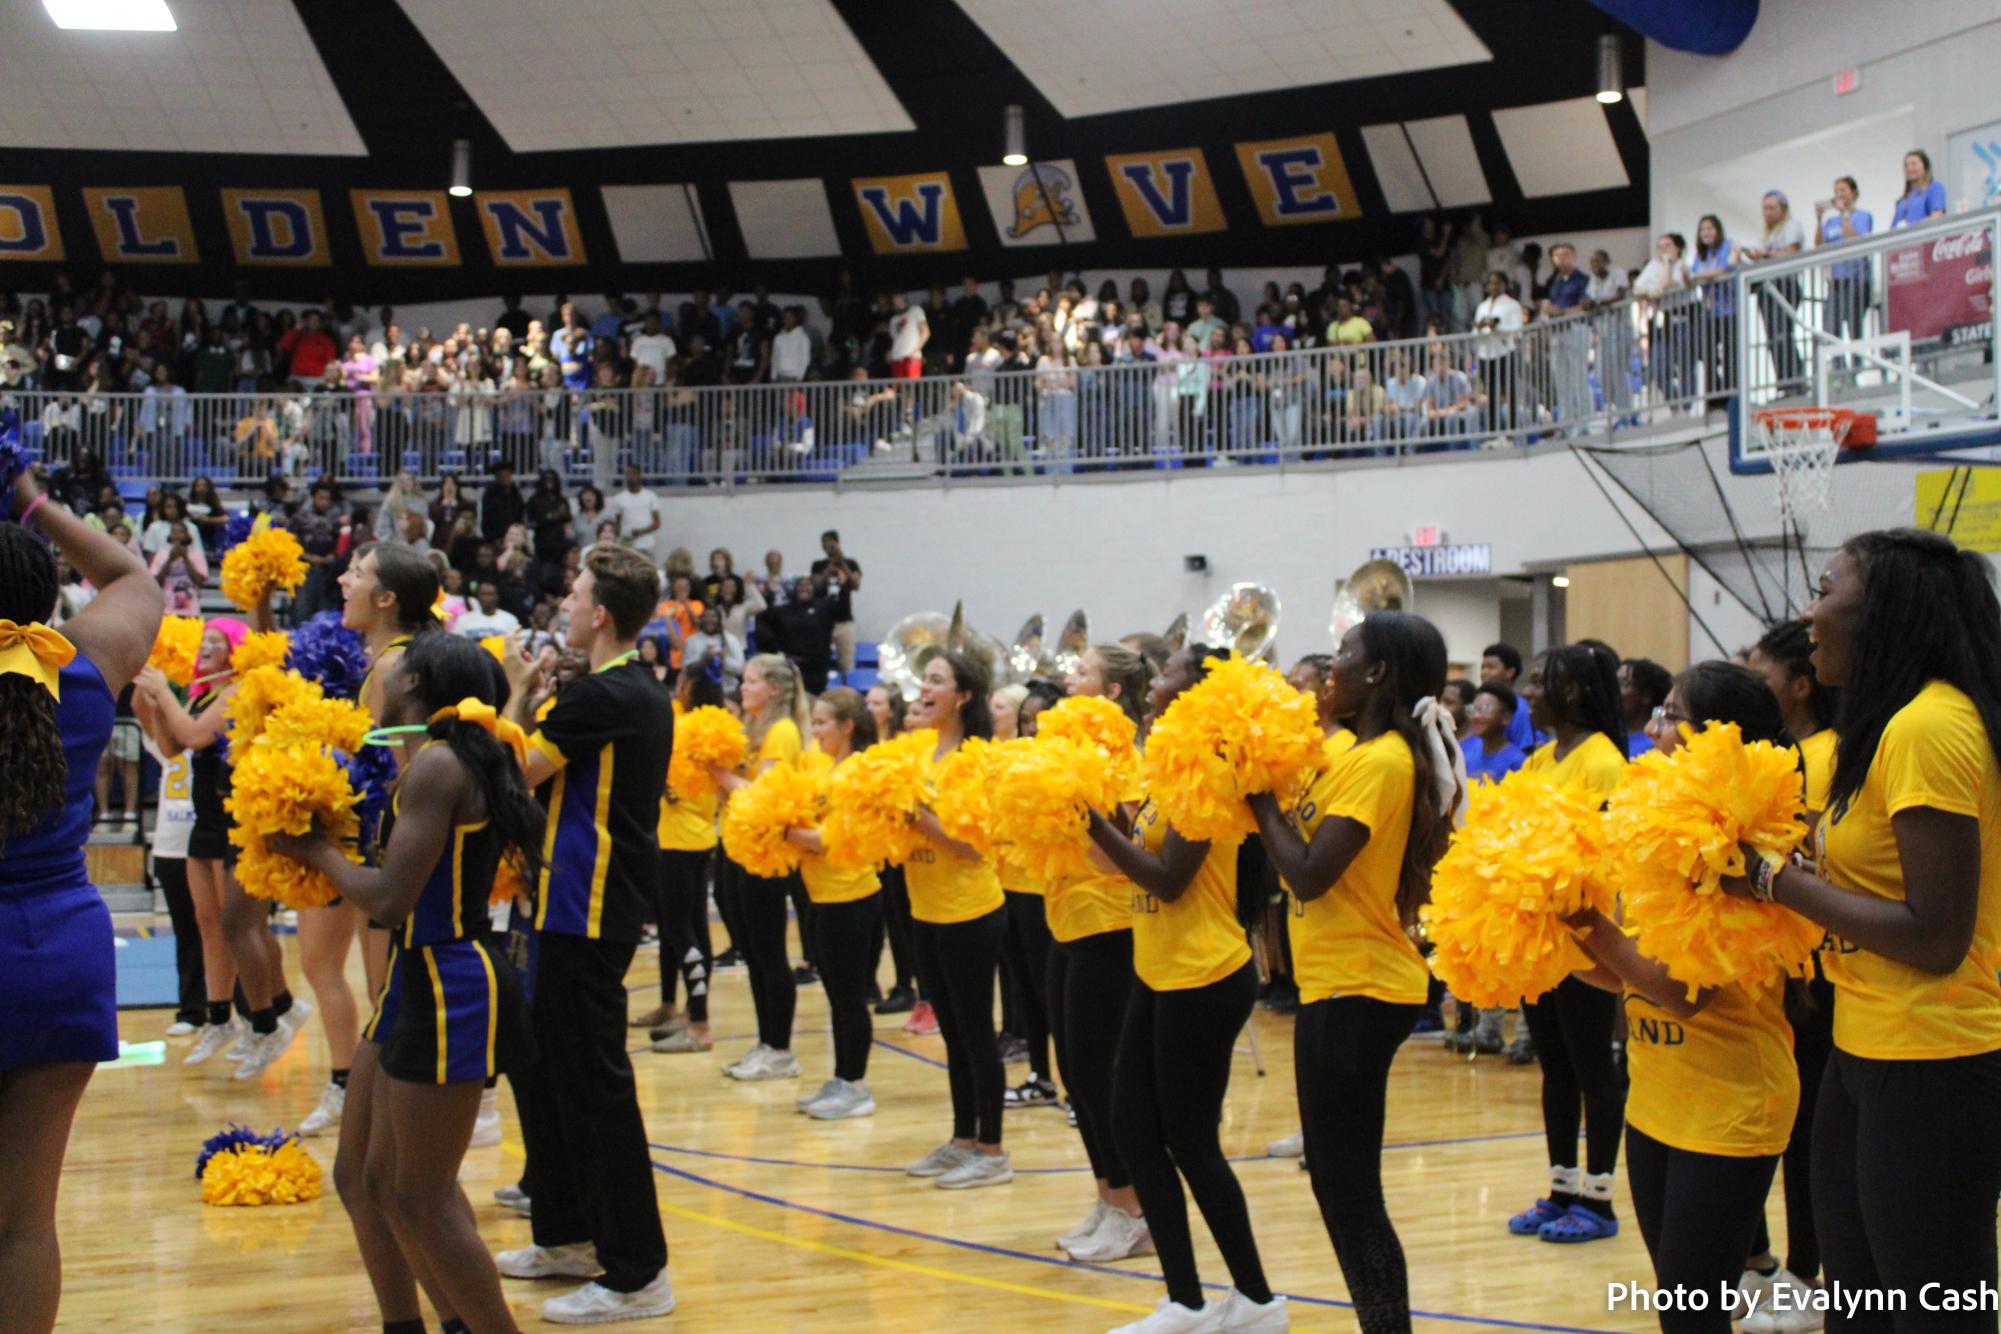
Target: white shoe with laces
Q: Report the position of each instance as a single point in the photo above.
(939, 1161)
(1240, 1313)
(180, 1028)
(263, 1053)
(979, 1169)
(750, 1060)
(773, 1065)
(846, 1102)
(1171, 1317)
(578, 1260)
(244, 1034)
(511, 1196)
(486, 1126)
(1080, 1234)
(211, 1040)
(825, 1090)
(1292, 1146)
(595, 1304)
(326, 1116)
(1798, 1315)
(1120, 1237)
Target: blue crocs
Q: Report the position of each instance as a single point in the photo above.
(1530, 1221)
(1579, 1224)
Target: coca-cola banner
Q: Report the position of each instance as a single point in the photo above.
(1942, 290)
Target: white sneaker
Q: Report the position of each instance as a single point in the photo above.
(848, 1101)
(750, 1060)
(486, 1126)
(595, 1304)
(939, 1161)
(577, 1260)
(774, 1065)
(1080, 1234)
(295, 1018)
(264, 1051)
(511, 1196)
(825, 1090)
(1171, 1317)
(1797, 1318)
(244, 1033)
(1240, 1313)
(212, 1039)
(1292, 1146)
(1120, 1236)
(180, 1028)
(979, 1169)
(326, 1116)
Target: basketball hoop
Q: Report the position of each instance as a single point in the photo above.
(1803, 445)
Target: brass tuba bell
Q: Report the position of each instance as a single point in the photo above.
(1376, 585)
(1024, 656)
(1071, 642)
(921, 636)
(1244, 619)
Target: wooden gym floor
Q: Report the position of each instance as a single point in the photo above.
(777, 1222)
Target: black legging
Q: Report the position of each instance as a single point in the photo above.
(1342, 1050)
(729, 900)
(1027, 952)
(1906, 1172)
(802, 913)
(683, 908)
(172, 873)
(958, 963)
(893, 926)
(773, 992)
(1572, 1030)
(1810, 1011)
(841, 936)
(1090, 985)
(1697, 1212)
(1167, 1100)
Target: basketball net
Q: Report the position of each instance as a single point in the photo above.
(1802, 446)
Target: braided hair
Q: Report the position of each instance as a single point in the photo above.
(31, 742)
(1412, 655)
(450, 668)
(1590, 670)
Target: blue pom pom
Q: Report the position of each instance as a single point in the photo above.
(238, 1137)
(372, 772)
(237, 529)
(12, 464)
(326, 651)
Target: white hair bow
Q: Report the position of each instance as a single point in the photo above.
(1448, 763)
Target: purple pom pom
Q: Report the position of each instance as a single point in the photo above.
(235, 1138)
(326, 651)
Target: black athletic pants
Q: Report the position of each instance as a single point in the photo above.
(172, 873)
(683, 906)
(773, 992)
(1167, 1100)
(1813, 1042)
(1342, 1050)
(1906, 1173)
(1572, 1029)
(802, 913)
(957, 964)
(729, 900)
(1696, 1212)
(841, 934)
(580, 1119)
(893, 928)
(1090, 985)
(1027, 953)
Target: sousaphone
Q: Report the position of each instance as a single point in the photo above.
(916, 639)
(1376, 585)
(1071, 642)
(1244, 619)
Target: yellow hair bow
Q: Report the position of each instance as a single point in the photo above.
(36, 652)
(483, 715)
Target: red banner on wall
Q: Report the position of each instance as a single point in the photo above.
(1943, 289)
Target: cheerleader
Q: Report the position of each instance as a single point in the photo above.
(1784, 657)
(1090, 983)
(1573, 696)
(885, 708)
(1025, 950)
(846, 907)
(958, 918)
(1356, 858)
(58, 695)
(459, 806)
(275, 1018)
(1906, 1166)
(173, 824)
(687, 851)
(775, 718)
(1195, 990)
(1713, 1088)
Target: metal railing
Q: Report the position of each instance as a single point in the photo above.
(1623, 367)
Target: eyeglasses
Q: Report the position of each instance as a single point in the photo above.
(1663, 714)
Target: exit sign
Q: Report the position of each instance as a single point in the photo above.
(1847, 81)
(1425, 535)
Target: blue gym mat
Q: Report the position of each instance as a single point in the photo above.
(146, 976)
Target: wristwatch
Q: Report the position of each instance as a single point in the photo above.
(1763, 874)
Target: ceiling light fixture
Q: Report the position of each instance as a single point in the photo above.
(1560, 581)
(1014, 137)
(461, 186)
(1611, 69)
(112, 15)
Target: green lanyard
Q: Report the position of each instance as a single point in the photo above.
(620, 660)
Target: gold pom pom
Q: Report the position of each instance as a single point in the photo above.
(255, 1175)
(1241, 730)
(267, 559)
(1531, 853)
(757, 817)
(510, 881)
(962, 787)
(704, 737)
(285, 789)
(873, 798)
(1677, 827)
(175, 648)
(1105, 728)
(1042, 797)
(257, 695)
(262, 648)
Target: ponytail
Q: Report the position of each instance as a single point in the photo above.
(449, 669)
(1412, 654)
(31, 742)
(1130, 671)
(778, 673)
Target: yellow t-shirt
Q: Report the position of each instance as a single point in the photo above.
(1014, 880)
(1593, 762)
(827, 883)
(1089, 905)
(1818, 753)
(688, 825)
(945, 887)
(782, 745)
(1934, 753)
(1721, 1082)
(1196, 939)
(1350, 941)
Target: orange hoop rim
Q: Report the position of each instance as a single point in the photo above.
(1851, 429)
